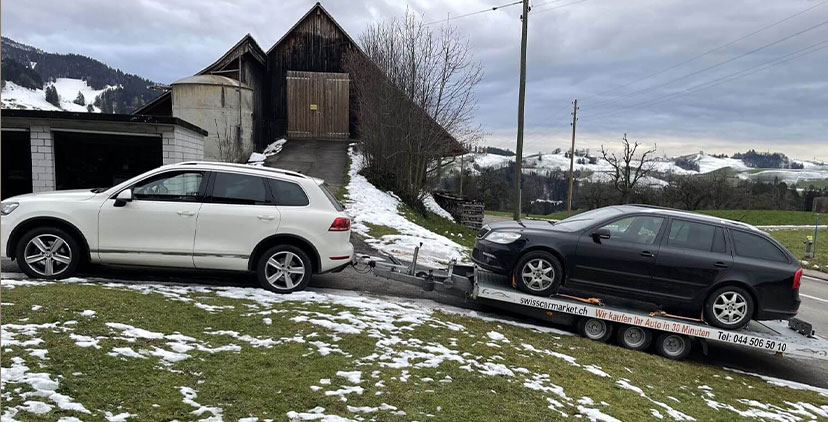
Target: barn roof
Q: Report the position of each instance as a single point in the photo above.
(319, 9)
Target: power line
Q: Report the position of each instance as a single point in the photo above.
(723, 46)
(557, 7)
(727, 78)
(722, 63)
(491, 9)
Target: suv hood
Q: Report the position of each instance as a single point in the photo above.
(58, 195)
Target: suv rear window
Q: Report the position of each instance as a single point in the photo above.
(288, 194)
(230, 188)
(753, 246)
(332, 198)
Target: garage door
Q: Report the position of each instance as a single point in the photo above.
(16, 153)
(90, 160)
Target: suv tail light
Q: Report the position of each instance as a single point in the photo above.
(340, 224)
(797, 278)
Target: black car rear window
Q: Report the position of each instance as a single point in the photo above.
(698, 236)
(754, 246)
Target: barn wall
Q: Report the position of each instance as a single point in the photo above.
(254, 75)
(316, 44)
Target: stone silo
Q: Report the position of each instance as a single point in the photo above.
(223, 107)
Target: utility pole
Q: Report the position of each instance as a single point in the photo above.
(521, 99)
(572, 158)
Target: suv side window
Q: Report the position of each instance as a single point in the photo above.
(239, 189)
(179, 186)
(638, 229)
(753, 246)
(698, 236)
(287, 193)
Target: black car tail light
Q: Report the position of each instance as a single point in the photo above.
(797, 278)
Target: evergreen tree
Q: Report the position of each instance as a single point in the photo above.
(90, 108)
(52, 96)
(80, 99)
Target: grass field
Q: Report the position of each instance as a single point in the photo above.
(768, 217)
(433, 222)
(792, 240)
(152, 352)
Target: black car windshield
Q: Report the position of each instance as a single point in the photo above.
(585, 219)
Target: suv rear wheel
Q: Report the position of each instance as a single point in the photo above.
(538, 273)
(284, 269)
(48, 253)
(729, 307)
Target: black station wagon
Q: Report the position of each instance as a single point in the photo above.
(723, 271)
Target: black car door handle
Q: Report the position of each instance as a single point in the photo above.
(721, 265)
(647, 254)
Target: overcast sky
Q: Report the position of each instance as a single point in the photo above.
(604, 52)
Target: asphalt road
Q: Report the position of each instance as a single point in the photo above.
(814, 309)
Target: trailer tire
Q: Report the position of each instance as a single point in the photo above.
(595, 329)
(673, 346)
(634, 337)
(532, 273)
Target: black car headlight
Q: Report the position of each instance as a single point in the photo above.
(503, 238)
(6, 208)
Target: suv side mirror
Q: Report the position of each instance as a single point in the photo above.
(599, 234)
(123, 197)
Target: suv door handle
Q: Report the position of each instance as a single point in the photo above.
(647, 254)
(266, 217)
(187, 213)
(721, 264)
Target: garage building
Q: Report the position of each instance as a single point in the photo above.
(48, 150)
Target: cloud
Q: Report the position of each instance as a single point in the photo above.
(588, 51)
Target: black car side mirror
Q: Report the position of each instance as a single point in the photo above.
(123, 197)
(599, 234)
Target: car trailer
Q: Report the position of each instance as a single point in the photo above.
(672, 336)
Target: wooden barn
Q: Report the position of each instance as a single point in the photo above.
(300, 90)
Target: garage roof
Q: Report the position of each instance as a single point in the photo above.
(102, 117)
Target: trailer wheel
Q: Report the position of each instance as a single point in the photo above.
(634, 338)
(595, 329)
(673, 346)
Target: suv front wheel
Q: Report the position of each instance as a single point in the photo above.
(284, 269)
(48, 253)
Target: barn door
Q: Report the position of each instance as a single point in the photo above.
(317, 104)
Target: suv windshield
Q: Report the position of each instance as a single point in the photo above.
(585, 219)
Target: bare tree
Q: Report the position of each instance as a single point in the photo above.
(628, 168)
(688, 191)
(415, 101)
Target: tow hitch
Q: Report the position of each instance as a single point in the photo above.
(456, 279)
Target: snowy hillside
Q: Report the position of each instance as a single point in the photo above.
(368, 205)
(541, 163)
(18, 97)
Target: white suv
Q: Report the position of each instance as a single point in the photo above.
(280, 224)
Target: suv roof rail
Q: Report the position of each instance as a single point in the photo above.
(244, 166)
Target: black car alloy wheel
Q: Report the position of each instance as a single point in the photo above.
(538, 273)
(729, 307)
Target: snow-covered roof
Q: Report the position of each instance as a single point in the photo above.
(209, 80)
